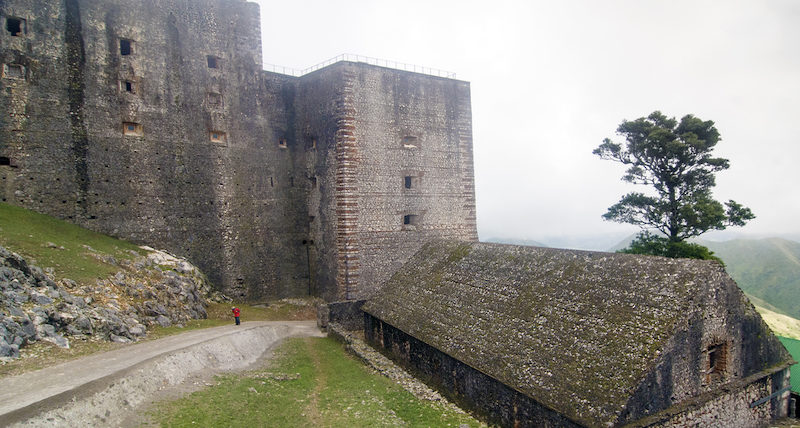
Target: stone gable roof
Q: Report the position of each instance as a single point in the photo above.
(575, 330)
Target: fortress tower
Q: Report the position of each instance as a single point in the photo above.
(152, 120)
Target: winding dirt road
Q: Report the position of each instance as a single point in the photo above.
(106, 389)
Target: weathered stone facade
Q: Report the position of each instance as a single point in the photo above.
(153, 120)
(546, 337)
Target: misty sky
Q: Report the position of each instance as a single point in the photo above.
(551, 79)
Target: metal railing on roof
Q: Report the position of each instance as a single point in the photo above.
(363, 59)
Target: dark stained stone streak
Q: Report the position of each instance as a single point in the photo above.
(76, 61)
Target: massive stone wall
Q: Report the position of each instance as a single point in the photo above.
(414, 180)
(200, 171)
(153, 121)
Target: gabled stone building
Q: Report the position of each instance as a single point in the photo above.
(546, 337)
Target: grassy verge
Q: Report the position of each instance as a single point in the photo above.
(60, 245)
(309, 382)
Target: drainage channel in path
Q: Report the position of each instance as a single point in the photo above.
(108, 388)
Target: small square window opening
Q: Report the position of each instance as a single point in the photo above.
(132, 129)
(218, 137)
(14, 71)
(15, 26)
(282, 143)
(125, 47)
(213, 62)
(410, 219)
(214, 98)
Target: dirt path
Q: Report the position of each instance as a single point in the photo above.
(105, 389)
(313, 410)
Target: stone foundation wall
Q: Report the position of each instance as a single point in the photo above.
(468, 387)
(734, 408)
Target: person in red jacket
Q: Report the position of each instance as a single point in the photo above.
(236, 314)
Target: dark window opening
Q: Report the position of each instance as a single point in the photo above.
(15, 26)
(128, 86)
(213, 62)
(410, 219)
(15, 71)
(313, 182)
(4, 161)
(214, 98)
(311, 218)
(717, 360)
(407, 182)
(282, 143)
(125, 47)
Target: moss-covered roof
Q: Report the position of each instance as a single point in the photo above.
(575, 330)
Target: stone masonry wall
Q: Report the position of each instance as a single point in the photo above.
(722, 321)
(471, 389)
(414, 154)
(153, 121)
(232, 204)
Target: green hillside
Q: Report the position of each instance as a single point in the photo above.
(768, 269)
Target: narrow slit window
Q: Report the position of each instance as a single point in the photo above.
(15, 26)
(125, 47)
(410, 142)
(218, 137)
(213, 61)
(132, 129)
(14, 71)
(407, 182)
(717, 360)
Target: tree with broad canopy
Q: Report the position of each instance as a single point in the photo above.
(673, 158)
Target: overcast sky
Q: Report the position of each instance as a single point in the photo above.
(551, 79)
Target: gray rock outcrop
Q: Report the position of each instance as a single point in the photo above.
(151, 289)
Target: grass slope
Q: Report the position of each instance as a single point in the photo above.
(310, 382)
(48, 242)
(768, 269)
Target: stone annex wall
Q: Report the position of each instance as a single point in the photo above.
(733, 408)
(153, 120)
(472, 389)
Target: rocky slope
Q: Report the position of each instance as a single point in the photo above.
(151, 288)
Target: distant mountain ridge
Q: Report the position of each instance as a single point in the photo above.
(768, 269)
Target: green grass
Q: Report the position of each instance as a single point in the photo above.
(28, 233)
(793, 346)
(310, 382)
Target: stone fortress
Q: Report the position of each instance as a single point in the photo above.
(154, 121)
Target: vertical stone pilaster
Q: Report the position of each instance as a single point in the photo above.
(348, 158)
